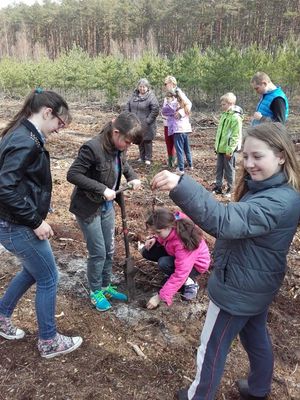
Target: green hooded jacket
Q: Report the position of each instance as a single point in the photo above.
(229, 132)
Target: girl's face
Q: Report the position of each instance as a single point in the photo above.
(162, 233)
(260, 161)
(169, 86)
(120, 141)
(48, 121)
(142, 89)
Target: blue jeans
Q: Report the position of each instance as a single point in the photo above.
(166, 263)
(182, 146)
(38, 266)
(220, 329)
(99, 235)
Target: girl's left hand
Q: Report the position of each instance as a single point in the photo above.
(153, 302)
(135, 184)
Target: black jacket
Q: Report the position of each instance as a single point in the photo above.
(92, 172)
(25, 177)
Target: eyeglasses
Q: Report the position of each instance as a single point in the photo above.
(61, 122)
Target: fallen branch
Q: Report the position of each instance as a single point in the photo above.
(137, 349)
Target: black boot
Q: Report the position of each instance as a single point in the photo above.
(182, 394)
(243, 388)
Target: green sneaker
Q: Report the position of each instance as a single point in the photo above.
(100, 301)
(111, 293)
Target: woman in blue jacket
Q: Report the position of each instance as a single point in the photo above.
(253, 238)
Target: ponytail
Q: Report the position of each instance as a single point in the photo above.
(37, 99)
(189, 233)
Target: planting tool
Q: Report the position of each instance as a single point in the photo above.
(129, 267)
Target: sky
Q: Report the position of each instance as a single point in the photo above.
(5, 3)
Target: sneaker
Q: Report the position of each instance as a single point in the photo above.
(182, 394)
(217, 190)
(140, 160)
(178, 172)
(100, 301)
(190, 291)
(8, 330)
(111, 293)
(58, 345)
(147, 162)
(190, 168)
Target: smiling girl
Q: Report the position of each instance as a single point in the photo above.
(253, 236)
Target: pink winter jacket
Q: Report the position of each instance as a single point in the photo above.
(185, 260)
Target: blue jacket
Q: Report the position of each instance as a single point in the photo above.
(253, 239)
(264, 105)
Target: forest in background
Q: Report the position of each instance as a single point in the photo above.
(100, 48)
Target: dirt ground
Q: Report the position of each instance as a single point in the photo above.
(108, 365)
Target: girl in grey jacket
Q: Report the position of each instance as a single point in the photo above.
(253, 238)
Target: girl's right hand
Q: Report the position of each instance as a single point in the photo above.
(44, 231)
(164, 180)
(109, 194)
(149, 243)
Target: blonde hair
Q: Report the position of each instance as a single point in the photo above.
(229, 98)
(260, 77)
(183, 104)
(276, 136)
(171, 79)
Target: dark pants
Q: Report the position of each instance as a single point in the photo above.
(145, 149)
(219, 330)
(226, 169)
(166, 263)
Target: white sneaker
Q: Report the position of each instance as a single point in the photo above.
(147, 162)
(8, 330)
(178, 172)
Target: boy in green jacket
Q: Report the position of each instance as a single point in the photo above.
(227, 143)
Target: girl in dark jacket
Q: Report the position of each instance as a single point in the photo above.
(25, 193)
(97, 173)
(253, 239)
(143, 103)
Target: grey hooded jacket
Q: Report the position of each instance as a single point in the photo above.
(253, 239)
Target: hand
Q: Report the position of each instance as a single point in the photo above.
(44, 231)
(164, 180)
(153, 302)
(149, 243)
(228, 156)
(135, 184)
(109, 194)
(177, 115)
(257, 115)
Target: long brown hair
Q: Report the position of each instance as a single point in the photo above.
(127, 124)
(37, 99)
(276, 136)
(189, 233)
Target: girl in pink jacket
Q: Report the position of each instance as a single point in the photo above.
(180, 251)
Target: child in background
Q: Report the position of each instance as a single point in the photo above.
(182, 130)
(168, 115)
(180, 251)
(228, 142)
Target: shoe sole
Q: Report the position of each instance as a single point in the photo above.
(15, 337)
(60, 353)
